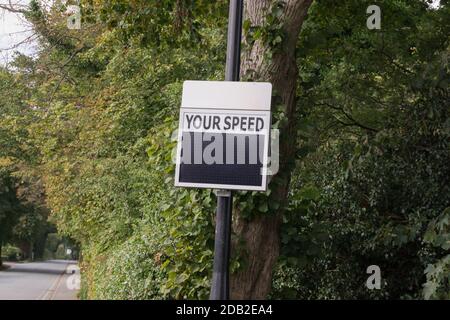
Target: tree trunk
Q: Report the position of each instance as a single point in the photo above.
(261, 234)
(25, 248)
(30, 252)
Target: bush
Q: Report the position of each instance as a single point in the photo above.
(52, 242)
(48, 255)
(11, 253)
(130, 271)
(61, 252)
(166, 251)
(383, 202)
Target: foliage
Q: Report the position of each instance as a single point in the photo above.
(10, 207)
(87, 136)
(438, 274)
(11, 253)
(372, 173)
(101, 187)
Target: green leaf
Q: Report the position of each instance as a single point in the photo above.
(263, 207)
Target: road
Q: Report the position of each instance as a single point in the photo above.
(49, 280)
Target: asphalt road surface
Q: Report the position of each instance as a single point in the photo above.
(49, 280)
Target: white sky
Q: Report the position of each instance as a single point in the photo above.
(14, 30)
(435, 3)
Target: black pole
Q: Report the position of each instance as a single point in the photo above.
(220, 282)
(220, 288)
(234, 40)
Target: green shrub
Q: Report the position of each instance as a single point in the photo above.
(48, 255)
(61, 252)
(11, 253)
(52, 242)
(129, 272)
(169, 252)
(381, 203)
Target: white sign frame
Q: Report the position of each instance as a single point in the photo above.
(226, 97)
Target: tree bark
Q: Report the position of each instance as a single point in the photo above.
(261, 234)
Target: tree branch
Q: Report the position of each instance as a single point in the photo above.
(14, 8)
(348, 116)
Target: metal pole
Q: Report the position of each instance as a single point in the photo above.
(220, 288)
(234, 40)
(220, 281)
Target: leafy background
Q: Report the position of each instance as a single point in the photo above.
(86, 131)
